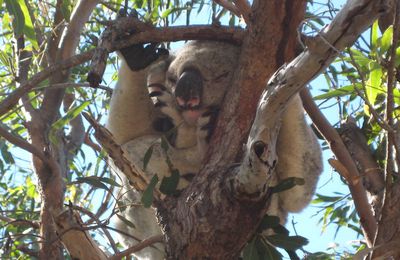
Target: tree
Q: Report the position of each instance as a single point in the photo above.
(45, 92)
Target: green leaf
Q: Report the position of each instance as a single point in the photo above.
(386, 40)
(29, 30)
(109, 181)
(339, 92)
(287, 184)
(126, 221)
(66, 9)
(18, 22)
(269, 252)
(373, 86)
(147, 156)
(323, 199)
(250, 251)
(147, 197)
(374, 34)
(93, 181)
(169, 184)
(164, 143)
(268, 222)
(71, 114)
(291, 243)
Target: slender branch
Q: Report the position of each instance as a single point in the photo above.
(97, 220)
(180, 33)
(244, 8)
(21, 143)
(143, 244)
(337, 146)
(27, 86)
(20, 222)
(69, 42)
(229, 6)
(105, 138)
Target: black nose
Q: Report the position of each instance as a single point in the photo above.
(189, 89)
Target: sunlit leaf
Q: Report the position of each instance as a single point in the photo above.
(374, 34)
(18, 22)
(60, 123)
(373, 86)
(339, 92)
(386, 40)
(29, 30)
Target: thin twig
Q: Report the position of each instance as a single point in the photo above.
(339, 149)
(145, 243)
(101, 225)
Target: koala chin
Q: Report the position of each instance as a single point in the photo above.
(178, 96)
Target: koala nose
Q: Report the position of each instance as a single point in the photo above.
(189, 89)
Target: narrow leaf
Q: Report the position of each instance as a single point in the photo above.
(147, 156)
(28, 25)
(147, 197)
(287, 184)
(291, 243)
(18, 22)
(126, 221)
(386, 40)
(93, 181)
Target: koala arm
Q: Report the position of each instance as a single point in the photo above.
(131, 111)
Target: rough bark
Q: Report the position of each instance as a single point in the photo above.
(212, 202)
(211, 219)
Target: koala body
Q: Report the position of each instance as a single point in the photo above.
(186, 92)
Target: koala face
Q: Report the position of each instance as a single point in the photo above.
(199, 76)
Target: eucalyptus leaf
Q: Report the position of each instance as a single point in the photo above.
(287, 184)
(291, 243)
(169, 184)
(147, 196)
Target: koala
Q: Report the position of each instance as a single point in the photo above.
(181, 102)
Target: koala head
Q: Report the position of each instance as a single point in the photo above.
(199, 76)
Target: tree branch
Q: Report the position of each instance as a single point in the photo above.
(75, 238)
(137, 247)
(115, 38)
(21, 143)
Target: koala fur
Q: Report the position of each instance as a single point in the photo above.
(132, 115)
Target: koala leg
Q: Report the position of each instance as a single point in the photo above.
(299, 155)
